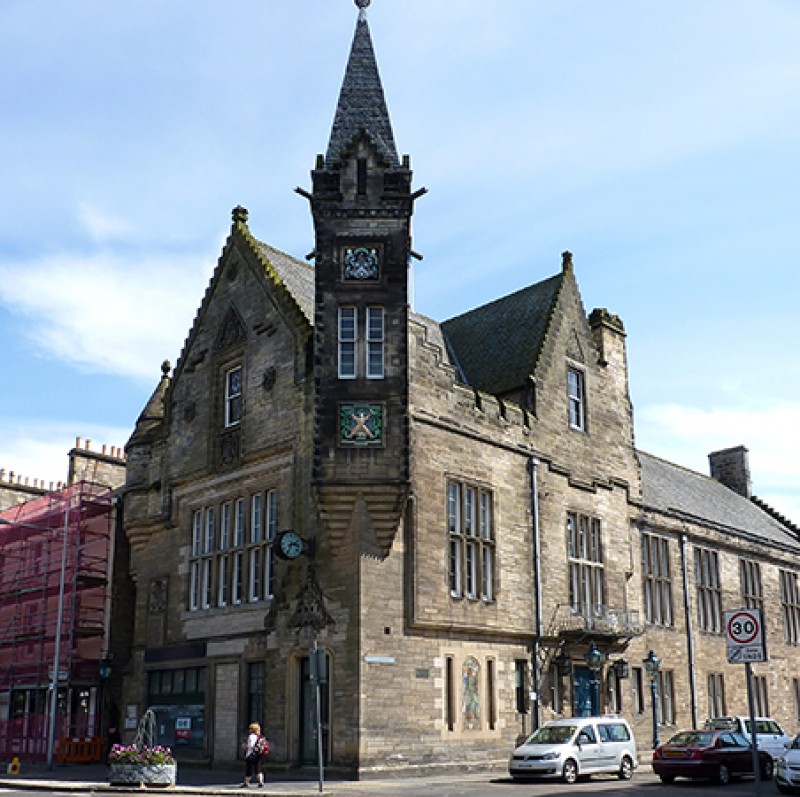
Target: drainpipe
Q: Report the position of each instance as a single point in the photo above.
(533, 464)
(689, 630)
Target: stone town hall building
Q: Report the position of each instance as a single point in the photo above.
(454, 512)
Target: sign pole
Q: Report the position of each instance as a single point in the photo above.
(751, 704)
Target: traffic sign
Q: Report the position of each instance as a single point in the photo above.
(744, 633)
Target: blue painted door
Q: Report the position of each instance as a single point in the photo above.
(584, 693)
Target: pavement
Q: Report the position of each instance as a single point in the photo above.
(194, 779)
(93, 778)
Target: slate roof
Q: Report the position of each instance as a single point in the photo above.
(670, 488)
(362, 105)
(496, 346)
(297, 276)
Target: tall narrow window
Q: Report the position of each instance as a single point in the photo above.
(223, 580)
(790, 607)
(233, 396)
(586, 569)
(491, 706)
(361, 176)
(225, 527)
(521, 685)
(760, 695)
(256, 518)
(709, 592)
(449, 694)
(657, 580)
(576, 393)
(348, 320)
(255, 691)
(666, 697)
(471, 541)
(716, 695)
(750, 580)
(796, 693)
(637, 690)
(238, 521)
(375, 334)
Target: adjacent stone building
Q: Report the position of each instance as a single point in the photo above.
(453, 513)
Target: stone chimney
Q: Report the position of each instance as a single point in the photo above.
(731, 467)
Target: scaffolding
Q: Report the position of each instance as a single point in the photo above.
(55, 555)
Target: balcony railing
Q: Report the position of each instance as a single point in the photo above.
(597, 620)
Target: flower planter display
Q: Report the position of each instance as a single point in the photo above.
(151, 775)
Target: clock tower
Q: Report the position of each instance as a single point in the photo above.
(361, 203)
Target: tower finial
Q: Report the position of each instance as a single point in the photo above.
(362, 5)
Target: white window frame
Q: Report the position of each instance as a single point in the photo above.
(576, 398)
(348, 342)
(376, 332)
(233, 396)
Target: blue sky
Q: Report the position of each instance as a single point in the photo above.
(658, 141)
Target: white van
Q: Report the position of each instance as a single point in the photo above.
(769, 735)
(568, 748)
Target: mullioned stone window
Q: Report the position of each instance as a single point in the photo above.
(232, 557)
(657, 580)
(586, 567)
(470, 526)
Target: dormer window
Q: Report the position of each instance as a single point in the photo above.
(576, 398)
(233, 396)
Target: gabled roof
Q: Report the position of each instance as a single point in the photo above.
(669, 488)
(296, 276)
(497, 346)
(362, 106)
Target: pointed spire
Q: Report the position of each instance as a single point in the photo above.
(362, 106)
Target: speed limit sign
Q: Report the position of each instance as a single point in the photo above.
(744, 633)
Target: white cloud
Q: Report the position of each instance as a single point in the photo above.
(108, 312)
(687, 435)
(37, 449)
(103, 226)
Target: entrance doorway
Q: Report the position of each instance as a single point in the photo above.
(585, 692)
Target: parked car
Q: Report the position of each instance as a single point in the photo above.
(569, 748)
(787, 769)
(717, 755)
(769, 735)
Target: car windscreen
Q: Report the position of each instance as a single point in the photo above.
(692, 738)
(553, 734)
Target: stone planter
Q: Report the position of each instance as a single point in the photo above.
(154, 776)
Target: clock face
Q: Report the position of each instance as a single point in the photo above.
(361, 263)
(291, 544)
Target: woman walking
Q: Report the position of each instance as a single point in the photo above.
(254, 746)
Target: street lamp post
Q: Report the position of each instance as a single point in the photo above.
(652, 664)
(594, 660)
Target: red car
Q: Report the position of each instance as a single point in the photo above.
(717, 755)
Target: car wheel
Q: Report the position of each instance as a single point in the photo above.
(625, 768)
(723, 775)
(569, 772)
(667, 779)
(783, 788)
(767, 769)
